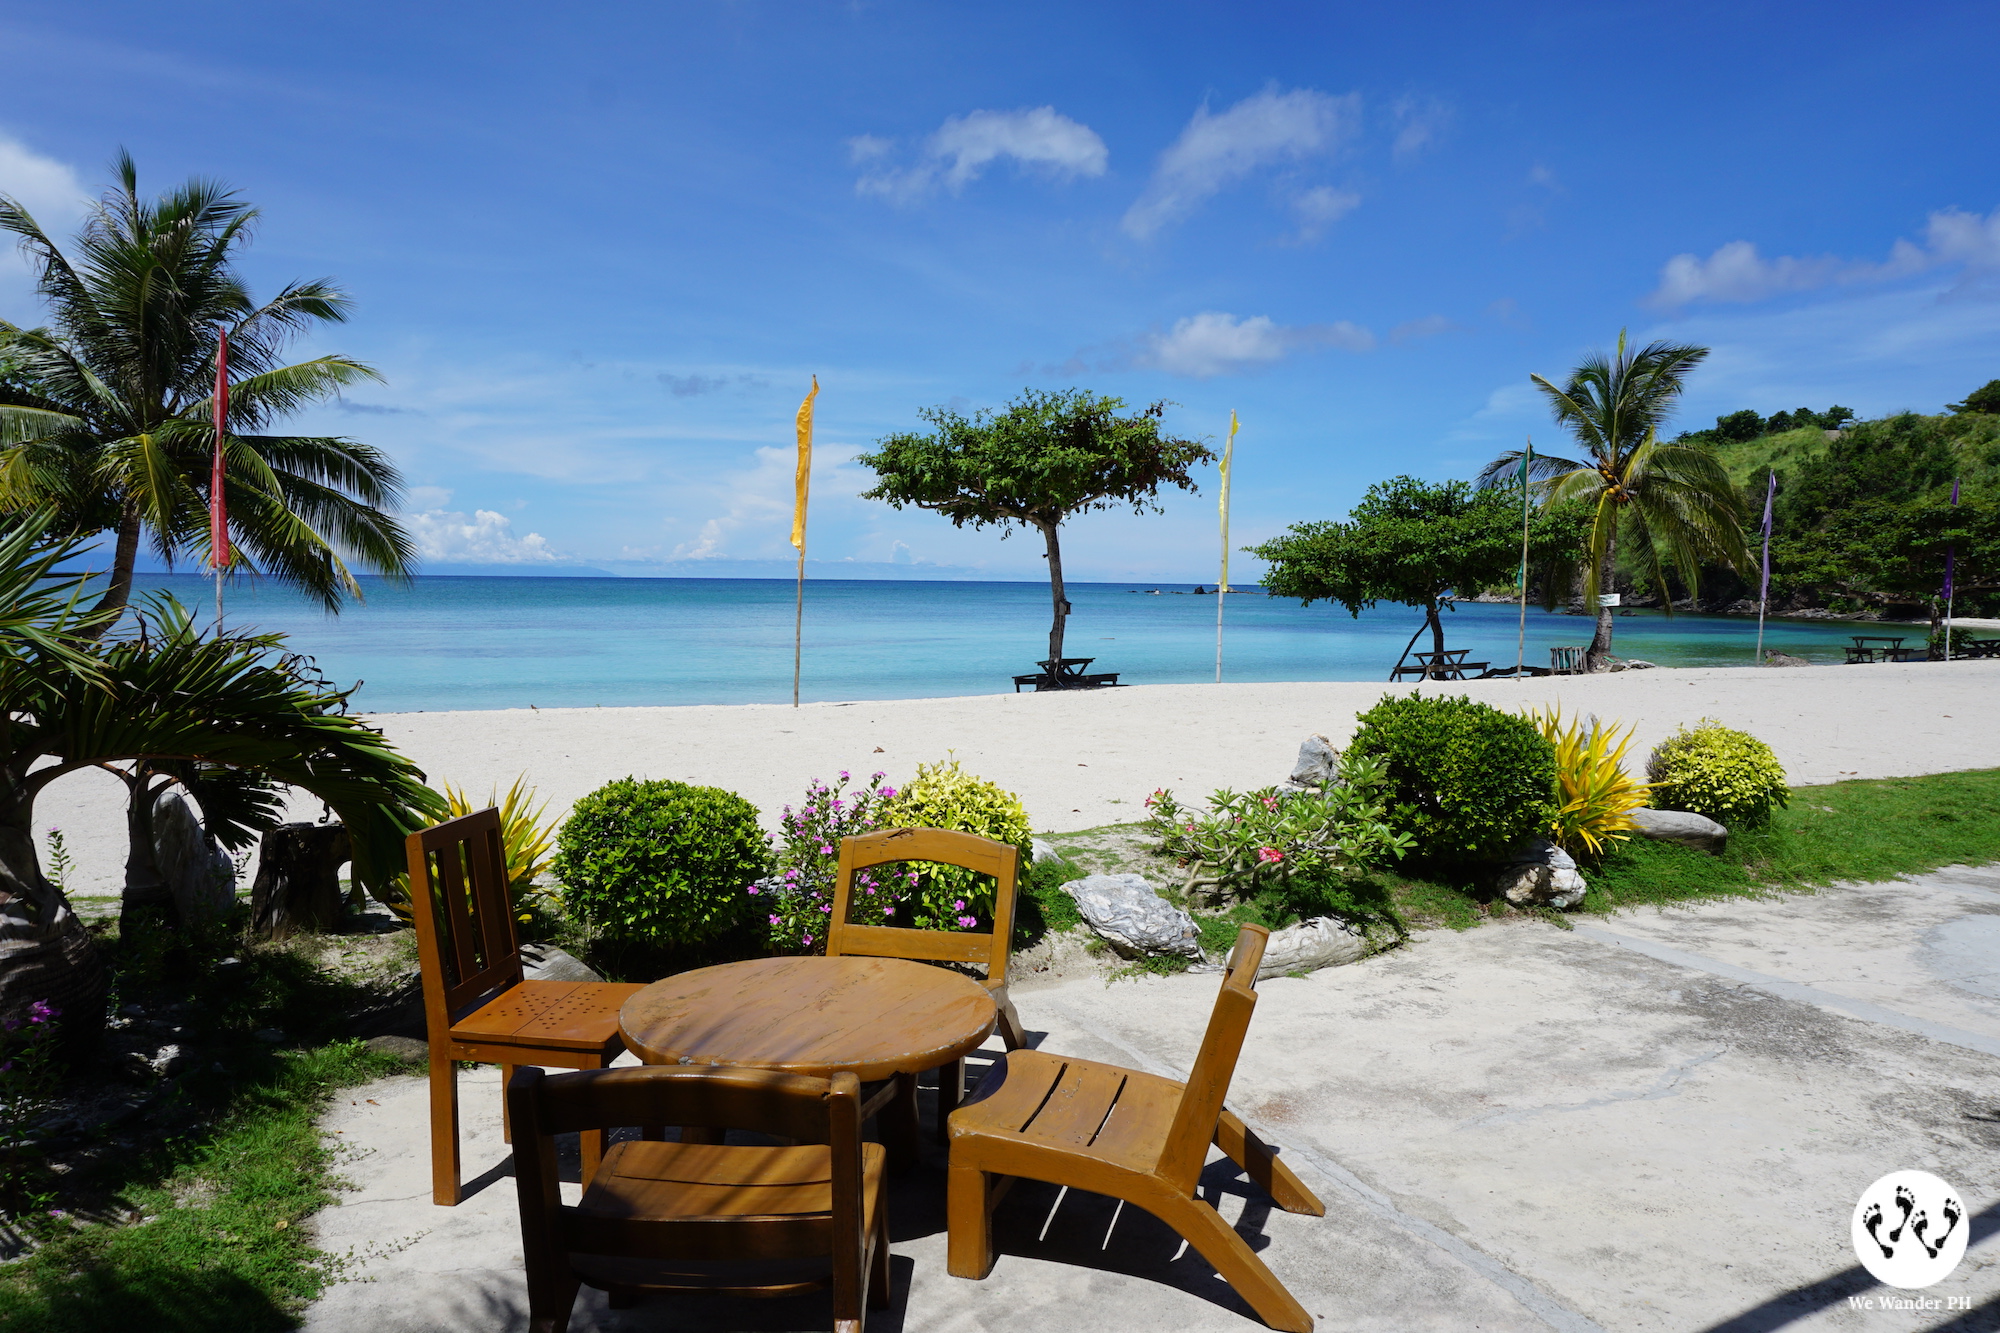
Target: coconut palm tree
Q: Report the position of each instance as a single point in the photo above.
(1669, 505)
(106, 412)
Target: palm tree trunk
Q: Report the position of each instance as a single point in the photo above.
(124, 556)
(146, 894)
(1061, 605)
(1600, 642)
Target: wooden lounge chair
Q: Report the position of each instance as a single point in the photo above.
(1130, 1135)
(946, 847)
(477, 1005)
(1567, 661)
(701, 1217)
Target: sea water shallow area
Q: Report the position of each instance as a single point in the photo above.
(452, 642)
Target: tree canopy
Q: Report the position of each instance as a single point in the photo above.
(106, 412)
(1420, 544)
(1037, 461)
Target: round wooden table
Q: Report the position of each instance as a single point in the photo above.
(876, 1018)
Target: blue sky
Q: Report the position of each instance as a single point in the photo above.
(598, 251)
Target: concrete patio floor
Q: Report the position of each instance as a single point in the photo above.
(1660, 1121)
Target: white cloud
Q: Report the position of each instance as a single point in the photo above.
(964, 146)
(1428, 327)
(1419, 123)
(1736, 272)
(1215, 151)
(1213, 343)
(486, 538)
(1321, 207)
(47, 188)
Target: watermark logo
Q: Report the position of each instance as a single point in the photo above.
(1909, 1229)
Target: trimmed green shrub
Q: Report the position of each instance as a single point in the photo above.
(660, 863)
(1728, 775)
(1466, 781)
(946, 796)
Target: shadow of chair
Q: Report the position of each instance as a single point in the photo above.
(701, 1217)
(477, 1003)
(1132, 1136)
(971, 852)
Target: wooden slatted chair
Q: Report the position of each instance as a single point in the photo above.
(701, 1217)
(946, 847)
(477, 1004)
(1130, 1135)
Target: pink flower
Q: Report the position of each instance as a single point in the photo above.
(825, 850)
(807, 940)
(958, 904)
(1270, 855)
(774, 921)
(843, 775)
(752, 888)
(967, 922)
(889, 792)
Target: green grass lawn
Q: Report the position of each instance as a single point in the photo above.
(221, 1246)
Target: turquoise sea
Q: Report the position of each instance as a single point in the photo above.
(462, 642)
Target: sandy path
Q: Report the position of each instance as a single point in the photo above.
(1089, 758)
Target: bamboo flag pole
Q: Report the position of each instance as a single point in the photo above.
(803, 485)
(1764, 587)
(218, 510)
(1950, 568)
(1222, 589)
(1521, 637)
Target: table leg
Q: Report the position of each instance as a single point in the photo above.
(901, 1135)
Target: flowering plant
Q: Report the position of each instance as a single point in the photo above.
(1245, 839)
(28, 1075)
(799, 898)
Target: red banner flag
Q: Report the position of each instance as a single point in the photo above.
(218, 512)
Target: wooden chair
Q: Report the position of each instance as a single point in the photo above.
(477, 1004)
(701, 1217)
(1567, 661)
(946, 847)
(1130, 1135)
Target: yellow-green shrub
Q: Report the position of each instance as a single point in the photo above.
(1728, 775)
(946, 796)
(1595, 797)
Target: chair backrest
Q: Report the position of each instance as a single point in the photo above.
(466, 946)
(1186, 1148)
(1566, 659)
(968, 850)
(756, 1217)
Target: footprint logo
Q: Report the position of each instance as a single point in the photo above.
(1924, 1206)
(1871, 1221)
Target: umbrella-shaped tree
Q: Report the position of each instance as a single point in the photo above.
(1669, 505)
(1042, 458)
(105, 413)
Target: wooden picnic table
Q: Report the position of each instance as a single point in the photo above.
(1447, 665)
(873, 1017)
(1891, 651)
(1065, 674)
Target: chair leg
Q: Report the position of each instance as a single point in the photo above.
(1012, 1035)
(901, 1134)
(506, 1113)
(1216, 1241)
(444, 1127)
(550, 1301)
(590, 1145)
(1262, 1164)
(951, 1091)
(968, 1222)
(880, 1297)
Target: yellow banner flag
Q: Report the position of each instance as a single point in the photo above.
(1228, 450)
(805, 467)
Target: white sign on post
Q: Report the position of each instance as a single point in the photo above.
(1608, 599)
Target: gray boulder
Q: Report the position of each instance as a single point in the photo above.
(1540, 874)
(545, 962)
(198, 871)
(1040, 851)
(1132, 918)
(1317, 763)
(1684, 827)
(1310, 945)
(1777, 659)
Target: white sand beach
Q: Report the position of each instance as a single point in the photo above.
(1084, 759)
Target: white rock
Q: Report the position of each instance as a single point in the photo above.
(1684, 827)
(1540, 874)
(1318, 761)
(545, 962)
(1323, 941)
(198, 872)
(1040, 851)
(1132, 918)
